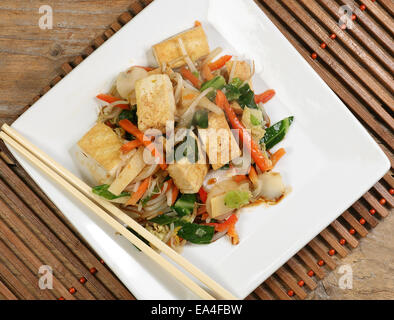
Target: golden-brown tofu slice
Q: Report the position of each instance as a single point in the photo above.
(187, 176)
(218, 141)
(242, 70)
(194, 40)
(155, 102)
(102, 144)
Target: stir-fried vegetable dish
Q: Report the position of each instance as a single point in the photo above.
(184, 145)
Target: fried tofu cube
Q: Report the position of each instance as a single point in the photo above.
(155, 102)
(102, 144)
(242, 70)
(218, 141)
(195, 43)
(187, 176)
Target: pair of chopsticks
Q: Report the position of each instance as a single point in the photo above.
(107, 212)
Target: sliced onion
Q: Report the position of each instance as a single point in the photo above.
(188, 115)
(112, 115)
(156, 200)
(189, 61)
(169, 197)
(209, 105)
(212, 55)
(218, 235)
(235, 62)
(179, 87)
(146, 172)
(266, 118)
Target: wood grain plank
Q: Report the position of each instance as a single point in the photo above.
(368, 80)
(338, 227)
(333, 242)
(277, 288)
(364, 213)
(262, 293)
(37, 248)
(332, 80)
(355, 224)
(388, 177)
(366, 39)
(33, 263)
(302, 273)
(14, 283)
(381, 210)
(291, 282)
(310, 261)
(379, 14)
(340, 70)
(5, 293)
(20, 267)
(62, 238)
(384, 193)
(354, 48)
(372, 27)
(321, 251)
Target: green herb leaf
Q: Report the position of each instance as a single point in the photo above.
(200, 119)
(130, 115)
(236, 82)
(232, 92)
(276, 133)
(197, 234)
(185, 204)
(164, 219)
(217, 83)
(247, 97)
(236, 198)
(102, 191)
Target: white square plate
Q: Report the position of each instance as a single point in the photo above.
(331, 160)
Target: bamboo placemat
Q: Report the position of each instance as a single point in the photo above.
(357, 64)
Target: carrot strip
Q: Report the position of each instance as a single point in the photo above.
(265, 96)
(253, 175)
(206, 72)
(145, 68)
(232, 233)
(220, 227)
(127, 147)
(109, 99)
(131, 128)
(277, 155)
(189, 96)
(204, 216)
(203, 194)
(240, 178)
(139, 193)
(257, 155)
(218, 64)
(175, 192)
(197, 23)
(188, 75)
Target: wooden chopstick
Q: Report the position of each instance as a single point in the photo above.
(65, 177)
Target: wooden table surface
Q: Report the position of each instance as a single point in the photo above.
(30, 58)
